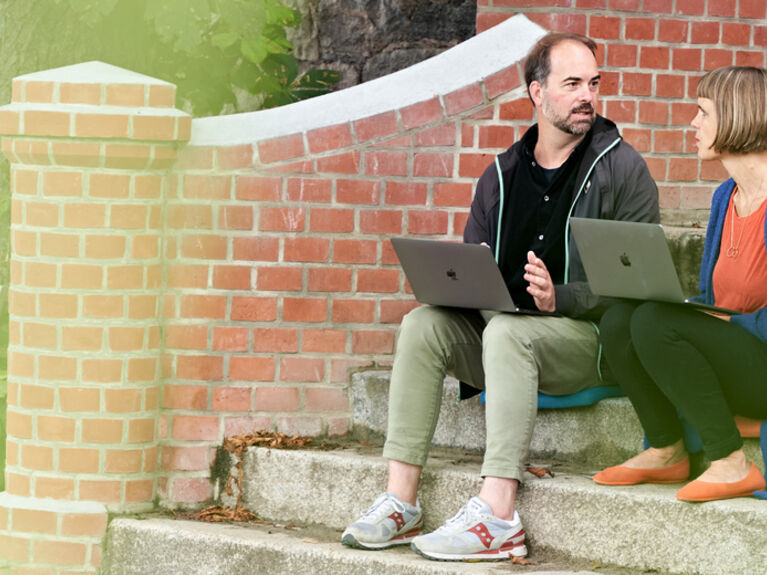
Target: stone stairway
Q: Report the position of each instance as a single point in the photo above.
(211, 549)
(573, 525)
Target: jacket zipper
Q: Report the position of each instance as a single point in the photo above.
(585, 184)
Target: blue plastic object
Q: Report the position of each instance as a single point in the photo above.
(692, 442)
(581, 398)
(594, 394)
(763, 442)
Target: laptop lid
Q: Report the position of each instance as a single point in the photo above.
(626, 259)
(453, 274)
(629, 260)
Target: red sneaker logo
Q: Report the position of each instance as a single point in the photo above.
(399, 521)
(484, 535)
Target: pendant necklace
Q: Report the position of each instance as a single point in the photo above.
(732, 251)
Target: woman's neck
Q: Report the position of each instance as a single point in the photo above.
(750, 174)
(749, 171)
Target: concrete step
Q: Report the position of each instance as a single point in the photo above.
(637, 527)
(172, 547)
(599, 435)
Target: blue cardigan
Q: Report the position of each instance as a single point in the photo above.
(755, 322)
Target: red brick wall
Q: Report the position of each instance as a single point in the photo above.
(653, 52)
(89, 155)
(281, 278)
(272, 275)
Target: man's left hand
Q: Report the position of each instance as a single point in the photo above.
(541, 287)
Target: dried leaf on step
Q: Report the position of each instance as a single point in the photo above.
(218, 513)
(539, 472)
(521, 561)
(238, 444)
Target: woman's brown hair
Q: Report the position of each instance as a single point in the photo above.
(739, 94)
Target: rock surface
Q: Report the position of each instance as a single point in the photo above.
(366, 39)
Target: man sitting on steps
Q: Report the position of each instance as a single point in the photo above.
(572, 162)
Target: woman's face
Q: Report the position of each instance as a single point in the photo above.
(704, 123)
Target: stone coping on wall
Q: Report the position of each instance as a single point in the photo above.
(92, 72)
(463, 65)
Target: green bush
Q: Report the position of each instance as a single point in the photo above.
(210, 49)
(223, 55)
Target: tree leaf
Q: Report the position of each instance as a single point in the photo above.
(282, 66)
(284, 16)
(245, 18)
(276, 39)
(278, 99)
(92, 11)
(223, 40)
(183, 22)
(319, 79)
(254, 50)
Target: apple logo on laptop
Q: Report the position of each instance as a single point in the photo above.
(451, 274)
(625, 259)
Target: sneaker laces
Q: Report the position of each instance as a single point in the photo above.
(465, 518)
(457, 521)
(376, 510)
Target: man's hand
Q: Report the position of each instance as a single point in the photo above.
(541, 287)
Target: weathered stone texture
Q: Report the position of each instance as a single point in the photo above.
(366, 39)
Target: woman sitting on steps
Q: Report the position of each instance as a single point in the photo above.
(668, 358)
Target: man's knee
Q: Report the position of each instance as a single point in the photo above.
(432, 327)
(424, 320)
(506, 329)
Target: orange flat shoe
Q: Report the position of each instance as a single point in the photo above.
(709, 491)
(620, 475)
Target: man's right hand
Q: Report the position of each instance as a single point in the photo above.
(541, 285)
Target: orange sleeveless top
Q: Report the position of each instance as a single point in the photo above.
(740, 273)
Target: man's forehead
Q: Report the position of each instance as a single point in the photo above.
(570, 58)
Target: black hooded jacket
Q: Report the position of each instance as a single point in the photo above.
(613, 182)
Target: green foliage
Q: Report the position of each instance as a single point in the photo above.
(92, 11)
(208, 48)
(211, 49)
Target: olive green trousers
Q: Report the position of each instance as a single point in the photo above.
(510, 356)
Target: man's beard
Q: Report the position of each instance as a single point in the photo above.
(565, 123)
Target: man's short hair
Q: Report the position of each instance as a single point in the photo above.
(538, 61)
(739, 94)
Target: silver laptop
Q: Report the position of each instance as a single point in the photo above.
(630, 260)
(455, 274)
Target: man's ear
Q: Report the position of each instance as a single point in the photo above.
(536, 93)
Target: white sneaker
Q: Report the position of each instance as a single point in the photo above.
(388, 522)
(474, 534)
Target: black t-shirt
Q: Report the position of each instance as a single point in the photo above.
(534, 218)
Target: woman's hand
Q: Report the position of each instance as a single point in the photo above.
(722, 316)
(541, 287)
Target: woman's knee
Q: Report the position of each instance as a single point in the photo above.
(614, 325)
(652, 320)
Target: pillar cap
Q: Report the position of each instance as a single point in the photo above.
(94, 100)
(95, 84)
